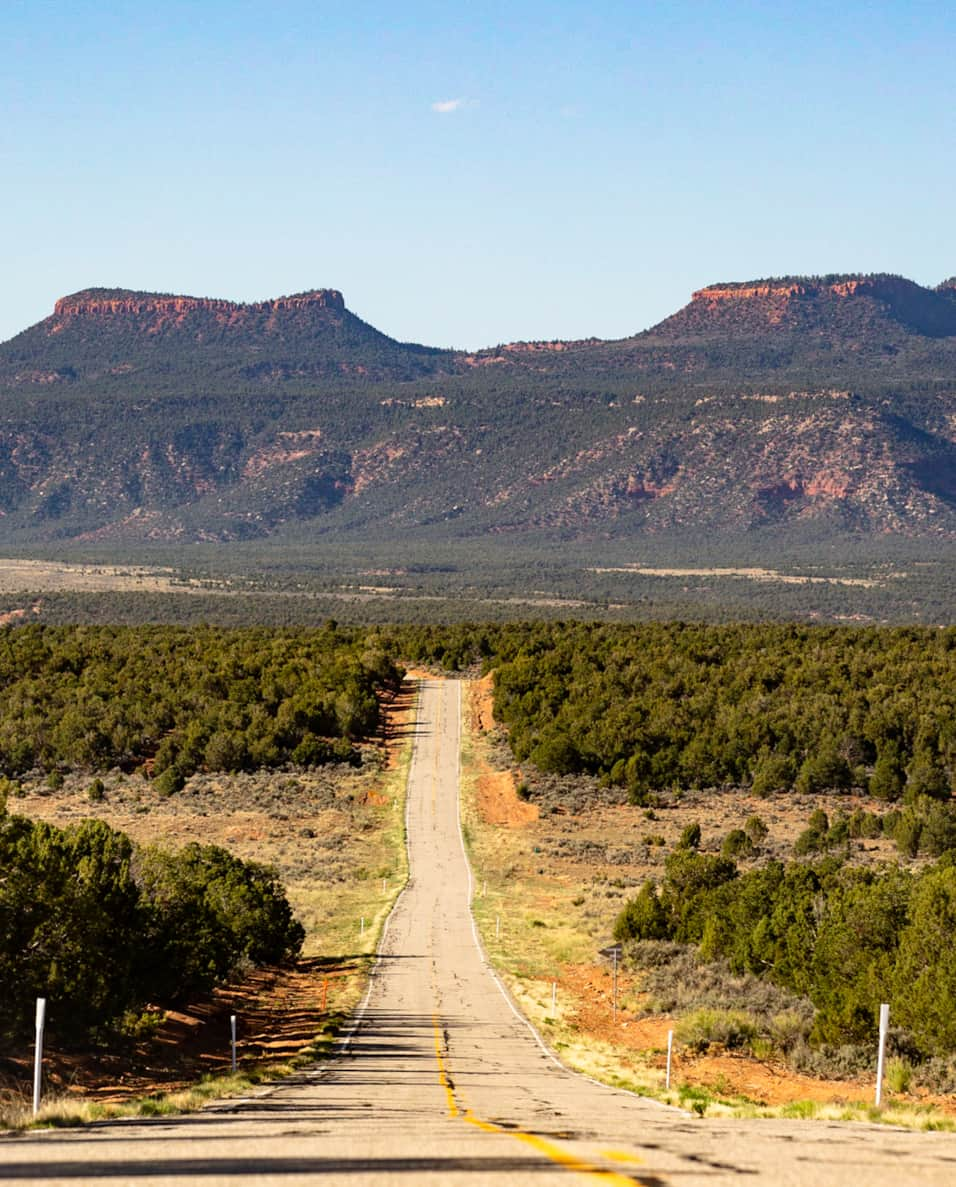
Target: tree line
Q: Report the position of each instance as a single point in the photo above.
(177, 700)
(767, 707)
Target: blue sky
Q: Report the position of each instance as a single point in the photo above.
(469, 174)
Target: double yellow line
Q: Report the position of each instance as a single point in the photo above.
(550, 1150)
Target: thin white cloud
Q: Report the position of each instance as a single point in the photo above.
(446, 106)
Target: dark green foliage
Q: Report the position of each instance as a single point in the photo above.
(737, 844)
(756, 830)
(643, 917)
(690, 836)
(69, 922)
(207, 912)
(818, 835)
(100, 928)
(863, 824)
(838, 834)
(657, 706)
(926, 965)
(846, 938)
(773, 771)
(887, 780)
(939, 829)
(229, 700)
(825, 769)
(169, 781)
(690, 876)
(923, 826)
(927, 776)
(908, 831)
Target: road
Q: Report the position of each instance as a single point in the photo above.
(443, 1083)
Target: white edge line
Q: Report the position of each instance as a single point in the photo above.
(341, 1045)
(501, 985)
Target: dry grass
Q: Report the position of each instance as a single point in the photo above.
(64, 1110)
(18, 576)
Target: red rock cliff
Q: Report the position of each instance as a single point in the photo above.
(160, 309)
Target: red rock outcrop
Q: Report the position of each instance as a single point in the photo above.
(155, 311)
(884, 287)
(849, 307)
(716, 293)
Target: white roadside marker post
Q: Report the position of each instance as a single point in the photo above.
(38, 1054)
(554, 998)
(497, 927)
(362, 927)
(232, 1029)
(614, 1011)
(884, 1027)
(670, 1052)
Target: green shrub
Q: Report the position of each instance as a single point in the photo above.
(690, 836)
(809, 841)
(168, 782)
(887, 780)
(557, 753)
(899, 1074)
(736, 844)
(101, 928)
(825, 769)
(908, 832)
(788, 1028)
(801, 1110)
(643, 917)
(729, 1028)
(8, 789)
(772, 772)
(865, 825)
(926, 776)
(838, 833)
(939, 829)
(756, 830)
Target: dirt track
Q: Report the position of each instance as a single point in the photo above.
(442, 1082)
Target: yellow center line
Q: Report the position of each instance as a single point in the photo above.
(552, 1151)
(453, 1110)
(620, 1156)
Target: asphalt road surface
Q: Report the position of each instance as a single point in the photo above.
(443, 1083)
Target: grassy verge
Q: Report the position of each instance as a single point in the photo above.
(345, 919)
(536, 923)
(64, 1110)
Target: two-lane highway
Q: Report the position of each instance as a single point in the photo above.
(443, 1083)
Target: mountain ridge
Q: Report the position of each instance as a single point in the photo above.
(789, 402)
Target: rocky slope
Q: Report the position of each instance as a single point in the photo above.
(824, 404)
